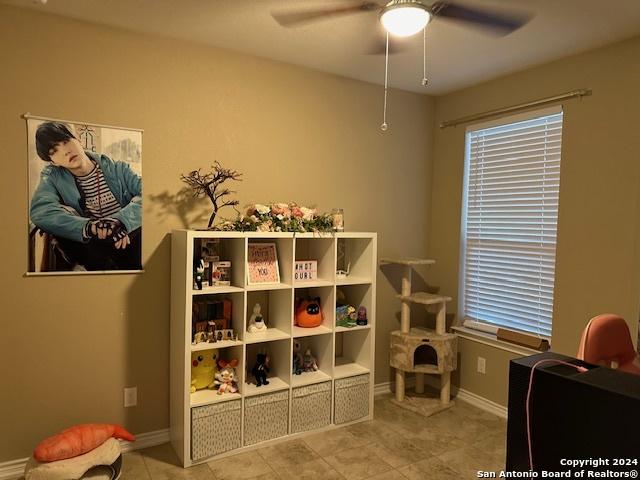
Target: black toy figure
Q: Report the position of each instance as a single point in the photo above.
(260, 369)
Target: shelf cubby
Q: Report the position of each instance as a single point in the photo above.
(322, 250)
(356, 253)
(227, 249)
(322, 349)
(276, 308)
(352, 353)
(356, 296)
(279, 352)
(211, 307)
(284, 254)
(210, 396)
(327, 302)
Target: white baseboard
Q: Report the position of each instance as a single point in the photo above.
(15, 468)
(146, 440)
(459, 394)
(12, 469)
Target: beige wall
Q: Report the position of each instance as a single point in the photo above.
(597, 252)
(70, 345)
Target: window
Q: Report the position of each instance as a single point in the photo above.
(509, 222)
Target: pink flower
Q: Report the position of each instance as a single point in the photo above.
(296, 212)
(251, 210)
(280, 209)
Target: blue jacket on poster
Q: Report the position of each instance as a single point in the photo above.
(57, 206)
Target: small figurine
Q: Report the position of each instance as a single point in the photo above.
(197, 278)
(309, 363)
(297, 358)
(256, 322)
(362, 315)
(260, 369)
(200, 337)
(225, 380)
(203, 367)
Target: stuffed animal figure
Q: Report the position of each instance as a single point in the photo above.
(297, 358)
(260, 369)
(256, 322)
(226, 377)
(203, 369)
(309, 313)
(309, 363)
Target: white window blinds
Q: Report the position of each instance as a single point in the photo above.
(512, 180)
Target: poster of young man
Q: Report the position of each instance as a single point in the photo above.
(85, 197)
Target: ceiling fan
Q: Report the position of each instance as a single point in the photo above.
(403, 18)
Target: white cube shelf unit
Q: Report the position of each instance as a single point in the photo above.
(296, 404)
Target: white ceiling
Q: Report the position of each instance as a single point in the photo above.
(458, 56)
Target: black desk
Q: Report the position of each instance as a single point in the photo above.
(595, 414)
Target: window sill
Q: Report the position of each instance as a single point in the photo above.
(491, 340)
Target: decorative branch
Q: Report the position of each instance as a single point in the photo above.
(207, 184)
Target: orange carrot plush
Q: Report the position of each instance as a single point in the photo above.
(77, 440)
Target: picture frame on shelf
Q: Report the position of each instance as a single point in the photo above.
(262, 264)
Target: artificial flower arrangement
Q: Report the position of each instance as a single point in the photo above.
(279, 217)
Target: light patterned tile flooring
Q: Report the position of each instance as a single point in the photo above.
(396, 444)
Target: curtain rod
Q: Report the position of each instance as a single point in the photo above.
(535, 103)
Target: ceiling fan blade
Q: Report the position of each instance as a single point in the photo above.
(500, 23)
(294, 18)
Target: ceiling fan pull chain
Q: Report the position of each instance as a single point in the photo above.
(425, 80)
(384, 125)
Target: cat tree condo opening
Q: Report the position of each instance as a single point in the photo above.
(419, 350)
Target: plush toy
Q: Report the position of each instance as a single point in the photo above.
(226, 378)
(256, 322)
(297, 358)
(260, 369)
(309, 363)
(203, 369)
(78, 440)
(309, 313)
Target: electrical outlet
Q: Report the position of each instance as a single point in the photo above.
(482, 365)
(131, 397)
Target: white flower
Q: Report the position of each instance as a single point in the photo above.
(307, 213)
(280, 217)
(253, 218)
(262, 209)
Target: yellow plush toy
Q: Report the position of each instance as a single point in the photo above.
(203, 369)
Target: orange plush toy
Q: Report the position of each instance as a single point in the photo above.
(309, 313)
(77, 440)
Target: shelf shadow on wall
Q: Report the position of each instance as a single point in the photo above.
(147, 313)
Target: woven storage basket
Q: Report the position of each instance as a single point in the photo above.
(266, 417)
(311, 407)
(351, 398)
(215, 429)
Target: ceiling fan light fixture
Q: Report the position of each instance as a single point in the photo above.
(404, 18)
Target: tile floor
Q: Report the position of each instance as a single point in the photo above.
(397, 444)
